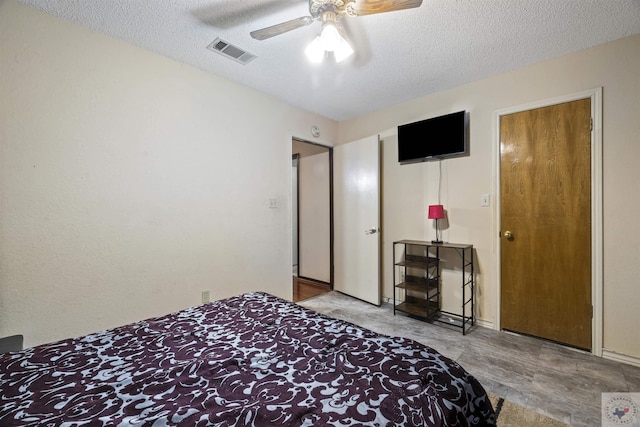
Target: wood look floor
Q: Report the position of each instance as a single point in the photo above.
(558, 382)
(304, 289)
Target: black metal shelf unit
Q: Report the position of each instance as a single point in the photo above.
(417, 282)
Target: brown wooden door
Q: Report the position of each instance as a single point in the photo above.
(545, 199)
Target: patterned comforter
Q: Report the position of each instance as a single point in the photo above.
(252, 360)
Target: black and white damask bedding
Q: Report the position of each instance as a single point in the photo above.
(251, 360)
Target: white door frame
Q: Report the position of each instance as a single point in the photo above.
(597, 284)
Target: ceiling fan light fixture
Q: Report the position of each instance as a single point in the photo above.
(329, 12)
(330, 40)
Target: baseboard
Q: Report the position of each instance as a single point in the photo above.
(619, 357)
(606, 354)
(485, 323)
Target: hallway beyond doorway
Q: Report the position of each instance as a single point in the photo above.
(304, 289)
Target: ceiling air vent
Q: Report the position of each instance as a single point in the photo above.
(230, 51)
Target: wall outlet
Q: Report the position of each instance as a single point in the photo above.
(206, 297)
(273, 203)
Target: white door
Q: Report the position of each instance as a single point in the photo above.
(356, 171)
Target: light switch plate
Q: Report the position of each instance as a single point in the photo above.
(206, 297)
(484, 200)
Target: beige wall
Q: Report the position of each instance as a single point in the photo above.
(129, 183)
(403, 212)
(615, 67)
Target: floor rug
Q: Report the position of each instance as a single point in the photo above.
(511, 414)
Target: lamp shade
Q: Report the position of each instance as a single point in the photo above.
(436, 212)
(330, 40)
(315, 51)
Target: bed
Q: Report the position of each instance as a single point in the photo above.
(253, 359)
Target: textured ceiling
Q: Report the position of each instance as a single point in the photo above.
(399, 55)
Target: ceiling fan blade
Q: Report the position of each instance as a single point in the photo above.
(370, 7)
(276, 30)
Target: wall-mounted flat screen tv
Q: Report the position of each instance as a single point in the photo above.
(433, 139)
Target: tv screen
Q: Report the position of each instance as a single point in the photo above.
(432, 139)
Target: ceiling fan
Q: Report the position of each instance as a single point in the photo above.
(329, 12)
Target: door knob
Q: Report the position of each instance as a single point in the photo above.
(508, 235)
(372, 230)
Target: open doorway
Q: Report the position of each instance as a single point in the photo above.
(312, 219)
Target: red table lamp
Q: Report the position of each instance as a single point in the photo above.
(436, 212)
